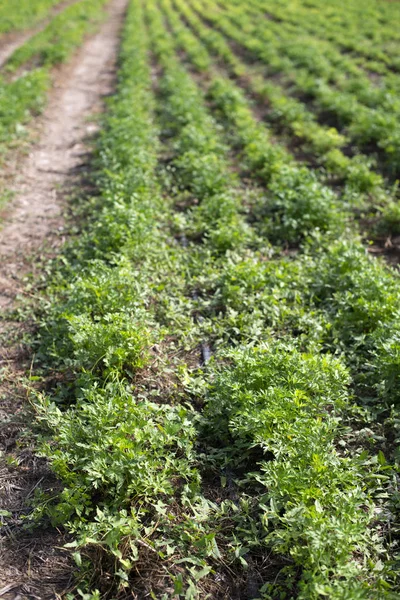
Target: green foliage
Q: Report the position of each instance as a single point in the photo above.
(130, 482)
(298, 203)
(200, 163)
(111, 455)
(63, 34)
(114, 341)
(390, 219)
(284, 111)
(25, 13)
(24, 96)
(290, 405)
(206, 231)
(314, 68)
(18, 101)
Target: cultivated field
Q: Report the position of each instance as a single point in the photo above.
(200, 299)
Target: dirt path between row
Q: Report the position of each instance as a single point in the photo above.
(10, 42)
(32, 565)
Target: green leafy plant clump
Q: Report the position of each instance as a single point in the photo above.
(291, 405)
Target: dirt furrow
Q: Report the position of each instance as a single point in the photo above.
(32, 565)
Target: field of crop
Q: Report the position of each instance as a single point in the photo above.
(16, 16)
(217, 344)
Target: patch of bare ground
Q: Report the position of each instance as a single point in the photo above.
(10, 42)
(33, 563)
(388, 247)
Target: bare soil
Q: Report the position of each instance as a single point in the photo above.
(33, 564)
(10, 42)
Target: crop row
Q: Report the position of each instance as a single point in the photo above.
(26, 76)
(124, 456)
(182, 478)
(14, 16)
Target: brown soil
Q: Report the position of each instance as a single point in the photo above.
(33, 565)
(10, 42)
